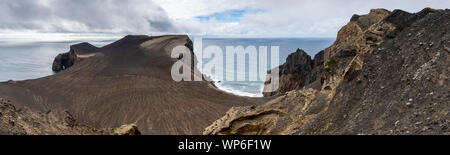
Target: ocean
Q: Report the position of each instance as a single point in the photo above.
(254, 88)
(23, 58)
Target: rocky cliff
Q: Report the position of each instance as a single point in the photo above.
(25, 121)
(77, 52)
(387, 73)
(298, 71)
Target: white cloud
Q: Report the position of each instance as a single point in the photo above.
(283, 17)
(276, 18)
(188, 9)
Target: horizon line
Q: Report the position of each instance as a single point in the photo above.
(91, 34)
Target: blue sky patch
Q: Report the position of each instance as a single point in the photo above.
(228, 16)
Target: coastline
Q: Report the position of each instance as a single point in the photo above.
(214, 84)
(126, 84)
(225, 86)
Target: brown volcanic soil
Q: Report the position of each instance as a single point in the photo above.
(128, 81)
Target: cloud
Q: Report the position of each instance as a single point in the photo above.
(108, 16)
(317, 18)
(304, 18)
(188, 9)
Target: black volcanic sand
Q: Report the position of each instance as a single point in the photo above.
(128, 81)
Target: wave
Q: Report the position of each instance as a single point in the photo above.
(231, 90)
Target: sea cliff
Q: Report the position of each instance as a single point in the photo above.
(386, 73)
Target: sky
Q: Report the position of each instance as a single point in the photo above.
(234, 18)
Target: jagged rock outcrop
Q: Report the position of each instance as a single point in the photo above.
(317, 72)
(25, 121)
(345, 58)
(402, 87)
(318, 60)
(354, 42)
(298, 71)
(366, 21)
(354, 29)
(278, 116)
(294, 74)
(77, 52)
(387, 78)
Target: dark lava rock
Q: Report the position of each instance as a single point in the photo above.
(63, 61)
(298, 71)
(345, 54)
(68, 59)
(298, 62)
(318, 59)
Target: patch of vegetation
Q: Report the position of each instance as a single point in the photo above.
(331, 63)
(327, 127)
(404, 66)
(399, 51)
(353, 39)
(364, 22)
(330, 74)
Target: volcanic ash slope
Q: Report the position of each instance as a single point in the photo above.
(128, 81)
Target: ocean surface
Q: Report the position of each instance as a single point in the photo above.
(23, 58)
(254, 88)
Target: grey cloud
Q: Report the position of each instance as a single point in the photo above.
(131, 16)
(162, 25)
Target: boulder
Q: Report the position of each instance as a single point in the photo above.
(128, 129)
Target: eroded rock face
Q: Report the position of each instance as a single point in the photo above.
(354, 30)
(128, 129)
(274, 117)
(79, 51)
(318, 60)
(298, 71)
(354, 43)
(402, 87)
(387, 78)
(63, 61)
(25, 121)
(366, 21)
